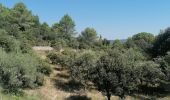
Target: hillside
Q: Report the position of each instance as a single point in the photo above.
(54, 62)
(56, 88)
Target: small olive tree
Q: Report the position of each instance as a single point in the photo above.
(112, 73)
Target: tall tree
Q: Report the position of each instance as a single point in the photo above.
(88, 37)
(148, 37)
(46, 33)
(162, 43)
(142, 42)
(23, 17)
(65, 27)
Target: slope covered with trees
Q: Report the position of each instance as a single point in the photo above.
(19, 66)
(141, 65)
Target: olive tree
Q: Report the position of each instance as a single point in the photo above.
(112, 72)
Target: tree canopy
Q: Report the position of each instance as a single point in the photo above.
(162, 43)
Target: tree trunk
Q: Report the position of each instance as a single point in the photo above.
(108, 96)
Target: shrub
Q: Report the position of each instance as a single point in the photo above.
(64, 58)
(8, 43)
(25, 47)
(55, 58)
(82, 65)
(44, 68)
(18, 71)
(59, 44)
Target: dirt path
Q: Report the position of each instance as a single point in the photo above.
(49, 91)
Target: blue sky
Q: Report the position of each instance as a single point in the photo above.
(113, 19)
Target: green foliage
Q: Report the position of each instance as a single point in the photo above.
(20, 7)
(20, 22)
(64, 58)
(25, 47)
(142, 42)
(152, 79)
(164, 64)
(151, 74)
(117, 44)
(73, 43)
(118, 68)
(23, 17)
(167, 58)
(82, 65)
(147, 37)
(8, 43)
(36, 96)
(111, 73)
(15, 71)
(161, 44)
(65, 32)
(106, 42)
(65, 28)
(130, 43)
(17, 60)
(46, 33)
(106, 67)
(11, 44)
(87, 38)
(59, 44)
(44, 68)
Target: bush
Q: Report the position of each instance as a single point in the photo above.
(64, 58)
(55, 58)
(44, 68)
(18, 71)
(25, 47)
(8, 43)
(59, 44)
